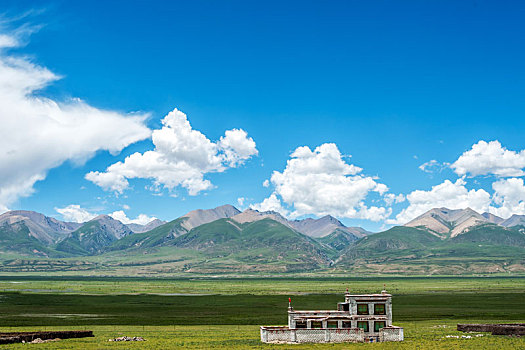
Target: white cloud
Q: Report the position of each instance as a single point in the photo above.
(39, 133)
(241, 201)
(451, 195)
(237, 146)
(320, 182)
(271, 203)
(142, 219)
(75, 213)
(433, 166)
(490, 158)
(182, 156)
(391, 198)
(509, 196)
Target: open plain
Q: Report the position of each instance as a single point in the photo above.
(226, 313)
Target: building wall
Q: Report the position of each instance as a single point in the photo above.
(275, 335)
(292, 334)
(391, 334)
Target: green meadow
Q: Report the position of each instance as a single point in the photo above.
(217, 313)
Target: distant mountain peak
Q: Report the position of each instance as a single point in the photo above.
(103, 217)
(46, 229)
(251, 215)
(203, 216)
(324, 226)
(137, 228)
(493, 218)
(448, 222)
(331, 219)
(111, 226)
(514, 220)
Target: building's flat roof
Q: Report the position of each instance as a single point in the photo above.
(318, 311)
(346, 317)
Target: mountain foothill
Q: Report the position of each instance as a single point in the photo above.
(224, 240)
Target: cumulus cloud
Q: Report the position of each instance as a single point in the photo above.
(509, 197)
(391, 198)
(75, 213)
(39, 133)
(452, 195)
(237, 146)
(490, 158)
(271, 203)
(142, 219)
(182, 156)
(320, 182)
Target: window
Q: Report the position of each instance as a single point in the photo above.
(317, 324)
(363, 325)
(300, 324)
(362, 309)
(378, 325)
(379, 309)
(331, 324)
(346, 307)
(347, 324)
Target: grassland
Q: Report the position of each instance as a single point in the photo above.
(259, 286)
(418, 335)
(217, 313)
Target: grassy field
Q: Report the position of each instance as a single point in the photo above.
(258, 286)
(231, 311)
(418, 335)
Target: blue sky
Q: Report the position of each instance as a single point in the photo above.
(394, 85)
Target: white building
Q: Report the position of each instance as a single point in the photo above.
(360, 318)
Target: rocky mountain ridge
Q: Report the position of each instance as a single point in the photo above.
(137, 228)
(224, 239)
(444, 222)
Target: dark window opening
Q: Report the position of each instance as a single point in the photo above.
(362, 309)
(379, 309)
(346, 307)
(363, 325)
(317, 324)
(331, 324)
(378, 325)
(347, 324)
(300, 324)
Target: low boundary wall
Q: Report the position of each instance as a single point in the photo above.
(495, 329)
(18, 337)
(325, 335)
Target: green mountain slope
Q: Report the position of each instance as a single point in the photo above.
(263, 242)
(494, 235)
(486, 248)
(16, 238)
(338, 240)
(93, 236)
(394, 239)
(160, 235)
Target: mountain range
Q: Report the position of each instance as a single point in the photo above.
(226, 240)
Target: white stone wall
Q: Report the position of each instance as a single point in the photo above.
(303, 335)
(391, 334)
(282, 335)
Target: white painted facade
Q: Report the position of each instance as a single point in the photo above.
(360, 318)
